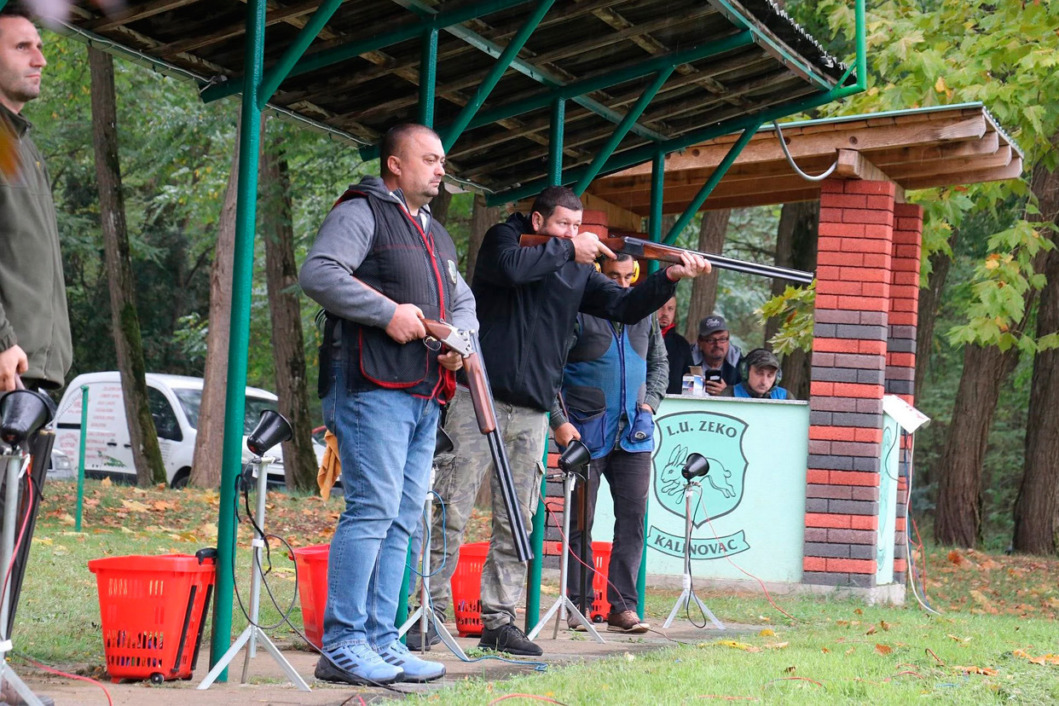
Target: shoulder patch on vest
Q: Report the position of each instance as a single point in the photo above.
(453, 272)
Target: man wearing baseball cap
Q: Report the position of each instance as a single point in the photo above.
(762, 377)
(716, 355)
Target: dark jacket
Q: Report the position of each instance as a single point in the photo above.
(528, 299)
(32, 290)
(679, 352)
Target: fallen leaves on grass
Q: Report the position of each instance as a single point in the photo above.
(986, 671)
(1042, 660)
(883, 649)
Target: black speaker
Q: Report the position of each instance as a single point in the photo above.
(22, 414)
(696, 465)
(575, 457)
(272, 428)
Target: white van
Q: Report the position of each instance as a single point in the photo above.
(174, 401)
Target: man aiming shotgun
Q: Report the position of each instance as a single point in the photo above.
(527, 300)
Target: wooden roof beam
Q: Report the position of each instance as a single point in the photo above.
(764, 147)
(141, 12)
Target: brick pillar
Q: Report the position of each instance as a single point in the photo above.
(855, 252)
(901, 349)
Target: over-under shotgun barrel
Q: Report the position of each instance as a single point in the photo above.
(649, 250)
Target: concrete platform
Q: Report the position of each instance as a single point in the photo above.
(268, 685)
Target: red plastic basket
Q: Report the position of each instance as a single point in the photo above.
(312, 588)
(467, 588)
(601, 560)
(152, 610)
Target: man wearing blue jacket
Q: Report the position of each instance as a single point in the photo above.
(527, 301)
(614, 380)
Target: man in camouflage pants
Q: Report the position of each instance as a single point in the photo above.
(527, 301)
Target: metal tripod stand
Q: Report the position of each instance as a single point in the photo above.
(15, 466)
(563, 603)
(253, 632)
(424, 614)
(688, 594)
(22, 414)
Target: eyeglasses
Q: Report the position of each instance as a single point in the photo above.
(715, 340)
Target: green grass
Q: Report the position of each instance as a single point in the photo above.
(837, 651)
(998, 612)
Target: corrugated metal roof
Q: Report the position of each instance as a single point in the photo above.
(361, 73)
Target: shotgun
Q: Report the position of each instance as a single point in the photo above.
(650, 250)
(466, 344)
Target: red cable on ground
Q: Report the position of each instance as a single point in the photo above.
(78, 677)
(923, 556)
(716, 535)
(526, 696)
(575, 555)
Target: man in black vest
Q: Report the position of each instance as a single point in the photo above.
(380, 264)
(614, 380)
(528, 298)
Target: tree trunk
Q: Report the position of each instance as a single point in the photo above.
(795, 247)
(1037, 505)
(288, 347)
(958, 517)
(929, 303)
(143, 438)
(704, 290)
(439, 205)
(482, 219)
(985, 372)
(209, 443)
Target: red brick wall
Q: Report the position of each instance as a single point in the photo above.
(854, 300)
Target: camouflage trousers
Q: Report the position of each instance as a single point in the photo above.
(459, 476)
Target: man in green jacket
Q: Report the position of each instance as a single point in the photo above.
(35, 339)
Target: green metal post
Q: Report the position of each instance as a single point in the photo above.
(239, 328)
(711, 183)
(658, 183)
(641, 578)
(487, 85)
(555, 144)
(81, 459)
(623, 129)
(280, 70)
(406, 583)
(654, 221)
(533, 576)
(428, 76)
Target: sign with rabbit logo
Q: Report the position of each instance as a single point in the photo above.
(719, 438)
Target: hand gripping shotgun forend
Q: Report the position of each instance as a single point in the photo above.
(650, 250)
(466, 344)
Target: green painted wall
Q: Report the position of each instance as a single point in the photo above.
(752, 502)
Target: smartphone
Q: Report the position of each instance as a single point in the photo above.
(712, 376)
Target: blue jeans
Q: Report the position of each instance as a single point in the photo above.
(386, 442)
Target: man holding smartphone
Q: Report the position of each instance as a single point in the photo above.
(716, 355)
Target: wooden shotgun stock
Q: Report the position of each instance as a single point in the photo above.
(649, 250)
(466, 344)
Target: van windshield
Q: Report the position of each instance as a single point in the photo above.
(191, 400)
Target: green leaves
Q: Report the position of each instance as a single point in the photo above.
(795, 309)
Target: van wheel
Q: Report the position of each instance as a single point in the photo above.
(180, 480)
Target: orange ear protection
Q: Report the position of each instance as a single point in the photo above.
(635, 269)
